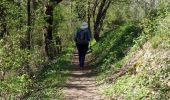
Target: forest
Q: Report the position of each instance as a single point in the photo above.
(128, 56)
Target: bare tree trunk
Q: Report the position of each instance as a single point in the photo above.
(95, 5)
(89, 16)
(49, 28)
(48, 34)
(4, 28)
(3, 21)
(29, 24)
(104, 5)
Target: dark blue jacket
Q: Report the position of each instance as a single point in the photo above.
(87, 34)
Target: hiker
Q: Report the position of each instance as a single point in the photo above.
(82, 39)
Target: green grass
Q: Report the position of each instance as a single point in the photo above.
(114, 46)
(46, 84)
(51, 78)
(148, 76)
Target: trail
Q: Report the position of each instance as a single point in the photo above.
(81, 84)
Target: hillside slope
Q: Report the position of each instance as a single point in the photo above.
(139, 68)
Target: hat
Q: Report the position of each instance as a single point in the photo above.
(84, 25)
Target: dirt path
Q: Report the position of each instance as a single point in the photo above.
(82, 84)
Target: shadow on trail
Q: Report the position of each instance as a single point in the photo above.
(82, 84)
(87, 74)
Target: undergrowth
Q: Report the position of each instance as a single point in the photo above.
(114, 46)
(145, 59)
(46, 84)
(49, 81)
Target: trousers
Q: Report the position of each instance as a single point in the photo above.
(82, 50)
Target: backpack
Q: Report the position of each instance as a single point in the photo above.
(81, 38)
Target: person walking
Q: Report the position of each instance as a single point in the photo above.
(82, 39)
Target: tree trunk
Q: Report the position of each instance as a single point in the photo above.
(48, 34)
(29, 24)
(49, 29)
(98, 21)
(3, 21)
(4, 29)
(89, 16)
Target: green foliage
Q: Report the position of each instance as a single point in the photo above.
(147, 64)
(52, 76)
(115, 44)
(19, 65)
(127, 88)
(16, 85)
(133, 26)
(81, 9)
(149, 83)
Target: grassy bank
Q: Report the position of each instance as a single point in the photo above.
(136, 69)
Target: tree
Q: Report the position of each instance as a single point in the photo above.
(3, 23)
(104, 5)
(97, 13)
(49, 29)
(29, 24)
